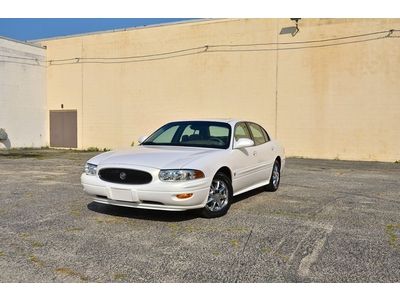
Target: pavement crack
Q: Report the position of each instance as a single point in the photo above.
(241, 255)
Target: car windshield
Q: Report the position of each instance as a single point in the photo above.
(192, 134)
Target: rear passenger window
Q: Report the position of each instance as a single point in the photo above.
(258, 134)
(241, 131)
(266, 135)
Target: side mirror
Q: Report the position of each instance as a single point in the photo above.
(243, 143)
(142, 139)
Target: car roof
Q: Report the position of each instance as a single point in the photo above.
(231, 121)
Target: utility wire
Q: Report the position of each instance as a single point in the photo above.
(132, 57)
(297, 48)
(93, 60)
(23, 63)
(21, 57)
(211, 48)
(82, 60)
(387, 32)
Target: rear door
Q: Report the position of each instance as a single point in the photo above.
(263, 153)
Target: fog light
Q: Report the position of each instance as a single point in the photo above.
(184, 196)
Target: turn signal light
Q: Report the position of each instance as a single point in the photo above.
(184, 196)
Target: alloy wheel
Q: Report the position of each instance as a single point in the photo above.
(275, 175)
(218, 195)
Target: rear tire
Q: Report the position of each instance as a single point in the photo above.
(275, 177)
(219, 197)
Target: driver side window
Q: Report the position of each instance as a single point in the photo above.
(241, 131)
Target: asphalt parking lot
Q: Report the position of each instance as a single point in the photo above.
(330, 221)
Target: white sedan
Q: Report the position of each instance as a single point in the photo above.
(185, 165)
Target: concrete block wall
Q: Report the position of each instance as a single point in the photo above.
(23, 105)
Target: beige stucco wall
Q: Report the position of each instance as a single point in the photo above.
(341, 101)
(23, 112)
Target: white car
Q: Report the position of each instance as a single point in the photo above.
(198, 164)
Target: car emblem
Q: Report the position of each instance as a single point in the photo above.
(122, 175)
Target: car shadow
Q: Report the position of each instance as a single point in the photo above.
(248, 194)
(143, 214)
(159, 215)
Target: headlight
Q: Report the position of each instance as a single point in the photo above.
(180, 175)
(90, 169)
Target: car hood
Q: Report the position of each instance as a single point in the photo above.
(160, 157)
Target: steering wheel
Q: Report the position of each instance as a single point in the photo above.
(218, 140)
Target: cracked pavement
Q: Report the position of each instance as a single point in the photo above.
(330, 221)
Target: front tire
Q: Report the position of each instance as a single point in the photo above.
(275, 177)
(219, 198)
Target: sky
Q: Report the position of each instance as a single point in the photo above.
(32, 29)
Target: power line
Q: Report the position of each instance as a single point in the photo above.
(21, 57)
(206, 50)
(23, 63)
(388, 32)
(298, 48)
(93, 61)
(212, 48)
(206, 47)
(131, 57)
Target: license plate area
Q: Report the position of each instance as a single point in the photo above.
(123, 195)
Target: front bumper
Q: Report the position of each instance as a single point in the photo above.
(154, 195)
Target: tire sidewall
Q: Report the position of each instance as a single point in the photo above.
(270, 186)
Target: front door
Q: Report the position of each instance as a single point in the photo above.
(243, 161)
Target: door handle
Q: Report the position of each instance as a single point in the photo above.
(254, 153)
